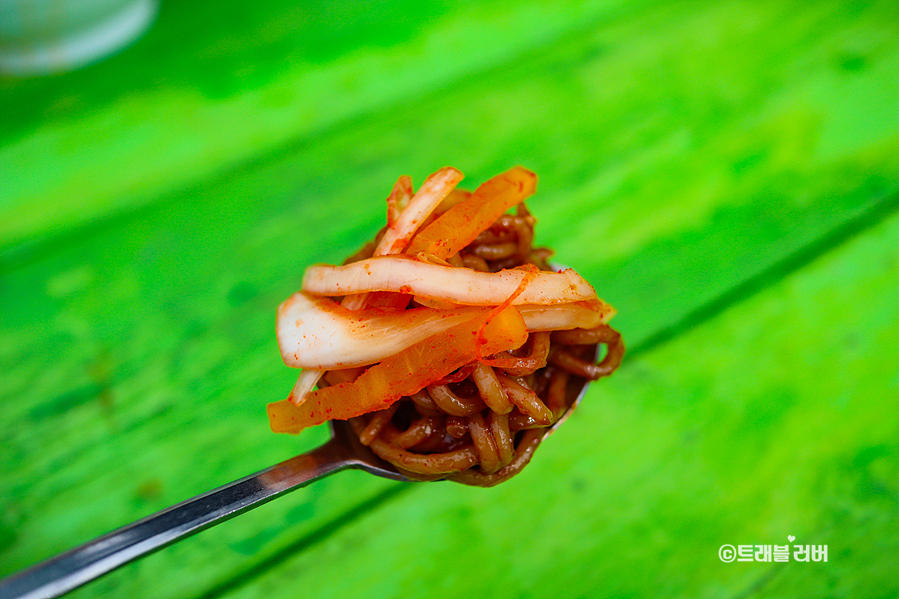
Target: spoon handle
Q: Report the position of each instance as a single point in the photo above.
(69, 570)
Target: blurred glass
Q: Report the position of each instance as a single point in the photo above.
(40, 37)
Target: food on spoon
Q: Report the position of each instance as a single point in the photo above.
(448, 342)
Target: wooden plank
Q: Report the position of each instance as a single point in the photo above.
(159, 380)
(215, 84)
(779, 417)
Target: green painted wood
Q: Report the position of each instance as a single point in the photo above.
(778, 417)
(137, 352)
(215, 84)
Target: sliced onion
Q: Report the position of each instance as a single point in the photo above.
(404, 373)
(317, 332)
(404, 219)
(398, 199)
(462, 223)
(454, 284)
(559, 317)
(574, 315)
(431, 193)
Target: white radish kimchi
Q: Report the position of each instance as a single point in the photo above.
(447, 336)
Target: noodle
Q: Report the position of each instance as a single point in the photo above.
(453, 404)
(491, 389)
(481, 425)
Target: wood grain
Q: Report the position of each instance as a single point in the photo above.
(775, 418)
(692, 157)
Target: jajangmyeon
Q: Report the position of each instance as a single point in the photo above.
(448, 341)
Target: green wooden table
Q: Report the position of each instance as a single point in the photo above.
(725, 173)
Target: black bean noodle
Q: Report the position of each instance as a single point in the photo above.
(482, 425)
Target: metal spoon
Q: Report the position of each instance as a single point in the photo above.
(78, 566)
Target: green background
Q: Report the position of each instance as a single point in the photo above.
(725, 173)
